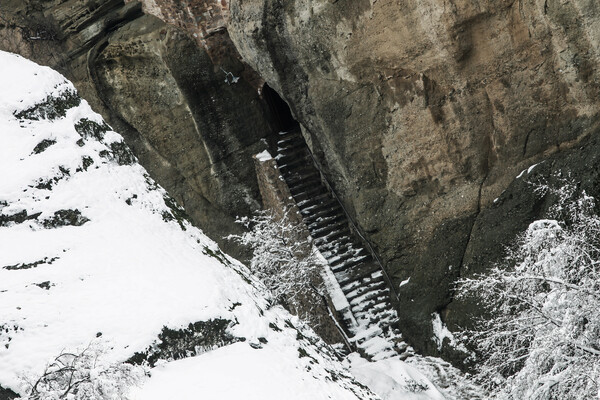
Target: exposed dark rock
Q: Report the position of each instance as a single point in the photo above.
(7, 394)
(197, 338)
(31, 265)
(65, 218)
(7, 331)
(47, 184)
(45, 285)
(43, 145)
(119, 153)
(86, 162)
(176, 213)
(53, 107)
(91, 129)
(17, 218)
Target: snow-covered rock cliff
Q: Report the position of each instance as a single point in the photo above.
(93, 251)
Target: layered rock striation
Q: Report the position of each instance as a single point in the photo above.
(422, 113)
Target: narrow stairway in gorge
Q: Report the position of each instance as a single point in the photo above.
(370, 320)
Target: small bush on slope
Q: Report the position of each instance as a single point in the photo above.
(542, 340)
(81, 376)
(283, 260)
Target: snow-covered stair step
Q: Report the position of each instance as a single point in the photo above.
(326, 220)
(294, 164)
(359, 279)
(334, 246)
(339, 248)
(349, 265)
(338, 234)
(351, 253)
(290, 143)
(290, 139)
(386, 319)
(358, 284)
(362, 290)
(376, 311)
(292, 155)
(291, 151)
(297, 179)
(306, 185)
(368, 318)
(309, 194)
(370, 295)
(345, 260)
(322, 208)
(301, 170)
(324, 231)
(314, 200)
(312, 216)
(367, 333)
(370, 309)
(358, 273)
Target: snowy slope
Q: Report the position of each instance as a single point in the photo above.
(92, 250)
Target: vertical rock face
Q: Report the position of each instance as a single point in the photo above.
(206, 21)
(188, 111)
(422, 112)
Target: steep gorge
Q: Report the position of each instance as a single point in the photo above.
(420, 113)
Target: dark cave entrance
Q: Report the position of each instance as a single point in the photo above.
(282, 118)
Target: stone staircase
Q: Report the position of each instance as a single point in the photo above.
(369, 319)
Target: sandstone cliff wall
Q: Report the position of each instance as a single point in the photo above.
(187, 105)
(423, 112)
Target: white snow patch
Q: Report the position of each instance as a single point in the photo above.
(264, 156)
(441, 332)
(527, 171)
(332, 286)
(404, 282)
(532, 167)
(393, 379)
(239, 372)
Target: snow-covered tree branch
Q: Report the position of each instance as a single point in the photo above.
(284, 260)
(541, 339)
(82, 375)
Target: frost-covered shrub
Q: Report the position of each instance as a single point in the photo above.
(284, 260)
(83, 376)
(542, 337)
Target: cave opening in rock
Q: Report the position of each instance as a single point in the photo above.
(282, 118)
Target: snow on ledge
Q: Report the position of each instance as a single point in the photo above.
(263, 156)
(440, 332)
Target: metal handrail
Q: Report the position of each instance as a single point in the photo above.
(356, 228)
